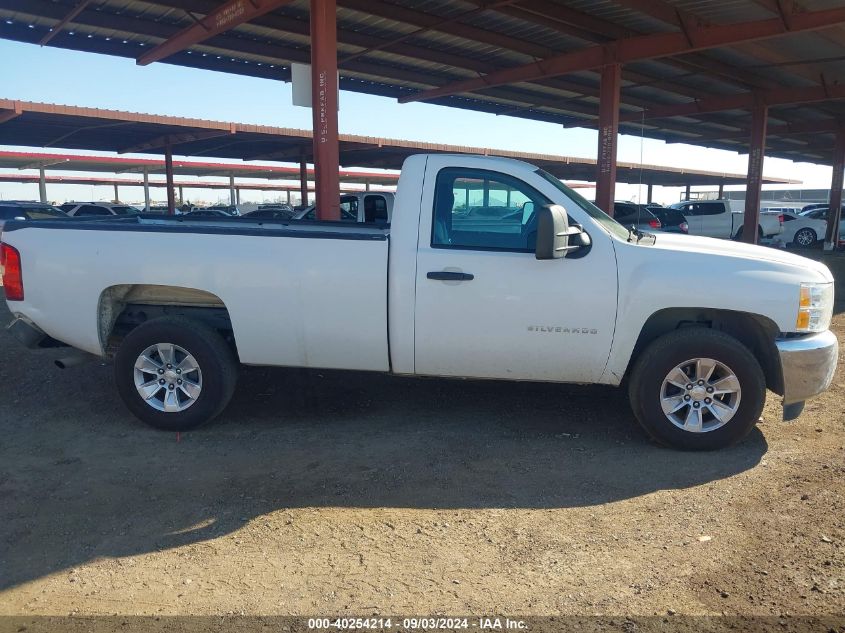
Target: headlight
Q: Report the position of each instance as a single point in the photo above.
(815, 307)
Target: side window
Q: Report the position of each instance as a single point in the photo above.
(90, 209)
(709, 209)
(375, 209)
(67, 208)
(479, 209)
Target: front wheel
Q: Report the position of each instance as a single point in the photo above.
(174, 373)
(697, 389)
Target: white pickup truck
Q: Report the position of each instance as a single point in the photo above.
(554, 290)
(716, 218)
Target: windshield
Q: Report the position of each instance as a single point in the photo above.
(125, 210)
(592, 210)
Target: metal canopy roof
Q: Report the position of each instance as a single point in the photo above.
(675, 83)
(121, 164)
(48, 125)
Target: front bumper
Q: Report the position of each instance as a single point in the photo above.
(807, 364)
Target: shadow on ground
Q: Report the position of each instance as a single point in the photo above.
(81, 479)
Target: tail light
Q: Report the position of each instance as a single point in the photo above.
(684, 227)
(654, 223)
(780, 219)
(10, 263)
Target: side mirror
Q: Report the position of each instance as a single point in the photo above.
(555, 237)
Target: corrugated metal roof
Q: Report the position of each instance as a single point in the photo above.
(397, 47)
(75, 128)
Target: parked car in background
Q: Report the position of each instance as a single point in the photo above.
(364, 206)
(208, 212)
(228, 209)
(79, 209)
(716, 218)
(803, 230)
(27, 210)
(819, 218)
(272, 212)
(631, 214)
(649, 217)
(671, 220)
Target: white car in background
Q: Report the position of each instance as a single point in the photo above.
(88, 209)
(803, 230)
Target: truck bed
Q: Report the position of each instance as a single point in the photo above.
(318, 289)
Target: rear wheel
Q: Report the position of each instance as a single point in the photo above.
(697, 389)
(174, 373)
(805, 237)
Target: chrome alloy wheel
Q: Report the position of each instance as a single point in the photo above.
(805, 237)
(167, 377)
(700, 395)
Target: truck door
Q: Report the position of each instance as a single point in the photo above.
(485, 306)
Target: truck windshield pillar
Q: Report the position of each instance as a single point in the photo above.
(611, 79)
(834, 213)
(754, 181)
(324, 104)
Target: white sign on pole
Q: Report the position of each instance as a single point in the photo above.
(300, 78)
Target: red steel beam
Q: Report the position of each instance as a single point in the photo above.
(834, 214)
(79, 8)
(168, 173)
(324, 107)
(224, 18)
(756, 154)
(611, 80)
(8, 114)
(303, 180)
(638, 48)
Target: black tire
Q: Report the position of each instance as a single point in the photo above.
(738, 236)
(673, 349)
(216, 360)
(810, 234)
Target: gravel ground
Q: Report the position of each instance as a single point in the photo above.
(334, 493)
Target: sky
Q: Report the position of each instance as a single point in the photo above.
(61, 76)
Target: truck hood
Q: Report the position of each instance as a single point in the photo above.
(740, 250)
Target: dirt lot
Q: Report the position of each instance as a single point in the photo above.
(333, 493)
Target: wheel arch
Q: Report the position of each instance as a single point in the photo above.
(755, 331)
(124, 307)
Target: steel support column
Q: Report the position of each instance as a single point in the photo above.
(146, 191)
(116, 193)
(288, 192)
(834, 214)
(611, 79)
(687, 192)
(232, 198)
(237, 196)
(721, 190)
(42, 185)
(649, 193)
(303, 181)
(168, 173)
(181, 196)
(324, 107)
(754, 182)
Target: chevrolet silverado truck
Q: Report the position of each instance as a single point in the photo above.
(556, 291)
(716, 218)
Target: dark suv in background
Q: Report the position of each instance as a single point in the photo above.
(649, 217)
(26, 210)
